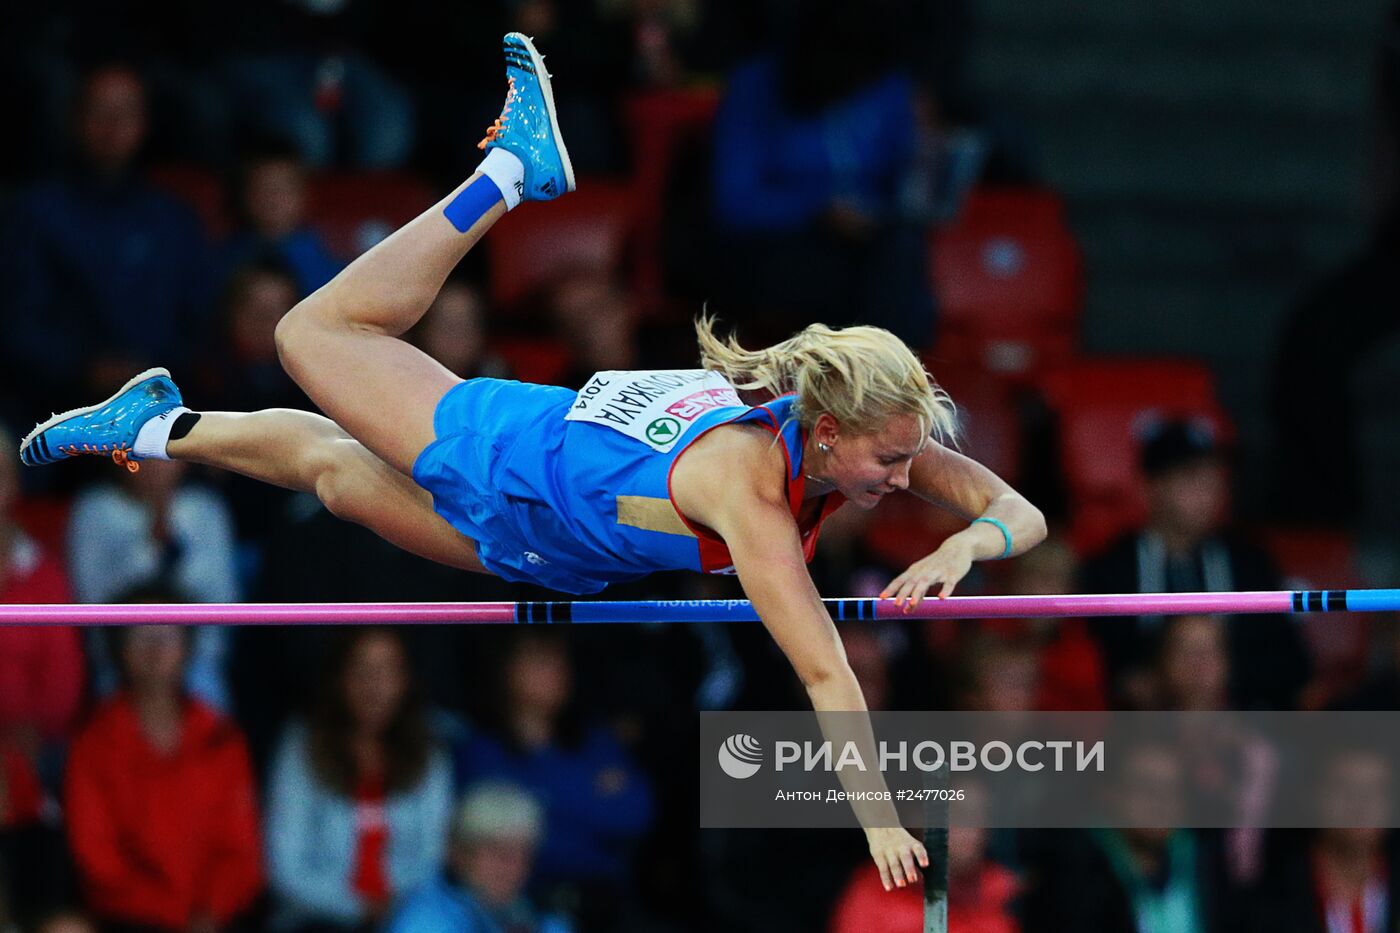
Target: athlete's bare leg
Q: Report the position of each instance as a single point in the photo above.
(307, 452)
(341, 344)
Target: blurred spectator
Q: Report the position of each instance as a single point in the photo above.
(269, 203)
(296, 73)
(1187, 545)
(1344, 878)
(590, 312)
(1131, 880)
(865, 652)
(998, 675)
(660, 32)
(360, 800)
(41, 668)
(1382, 690)
(242, 371)
(597, 803)
(811, 147)
(160, 799)
(980, 892)
(1229, 765)
(174, 535)
(1193, 665)
(498, 829)
(105, 275)
(453, 332)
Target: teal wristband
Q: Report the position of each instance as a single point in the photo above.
(1005, 533)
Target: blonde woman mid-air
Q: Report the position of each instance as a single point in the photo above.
(637, 472)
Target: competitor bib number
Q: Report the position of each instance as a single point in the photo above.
(656, 407)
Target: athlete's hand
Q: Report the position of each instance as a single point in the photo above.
(944, 568)
(898, 855)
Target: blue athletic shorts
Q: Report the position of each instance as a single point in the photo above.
(487, 494)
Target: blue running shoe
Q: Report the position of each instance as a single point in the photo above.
(107, 429)
(527, 127)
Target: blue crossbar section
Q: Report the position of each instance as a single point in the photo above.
(1373, 600)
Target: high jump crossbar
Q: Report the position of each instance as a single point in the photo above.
(697, 610)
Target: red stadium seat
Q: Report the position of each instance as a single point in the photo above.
(986, 414)
(536, 244)
(1101, 406)
(46, 519)
(1009, 281)
(659, 122)
(355, 210)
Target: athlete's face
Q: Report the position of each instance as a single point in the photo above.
(866, 467)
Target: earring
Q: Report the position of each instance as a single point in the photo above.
(824, 448)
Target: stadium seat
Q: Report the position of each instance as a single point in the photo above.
(1101, 407)
(46, 519)
(987, 415)
(1009, 281)
(536, 244)
(355, 210)
(659, 123)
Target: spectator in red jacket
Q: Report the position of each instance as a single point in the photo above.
(162, 819)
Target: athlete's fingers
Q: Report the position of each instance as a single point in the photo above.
(906, 859)
(921, 853)
(893, 586)
(922, 589)
(884, 869)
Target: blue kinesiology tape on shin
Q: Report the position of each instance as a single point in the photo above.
(472, 204)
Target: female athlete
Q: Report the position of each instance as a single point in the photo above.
(637, 472)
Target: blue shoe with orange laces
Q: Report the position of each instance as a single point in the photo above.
(527, 127)
(107, 429)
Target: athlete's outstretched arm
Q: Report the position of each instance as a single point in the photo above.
(746, 504)
(971, 491)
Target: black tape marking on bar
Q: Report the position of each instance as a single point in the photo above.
(1320, 601)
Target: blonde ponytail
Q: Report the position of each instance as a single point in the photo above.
(861, 376)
